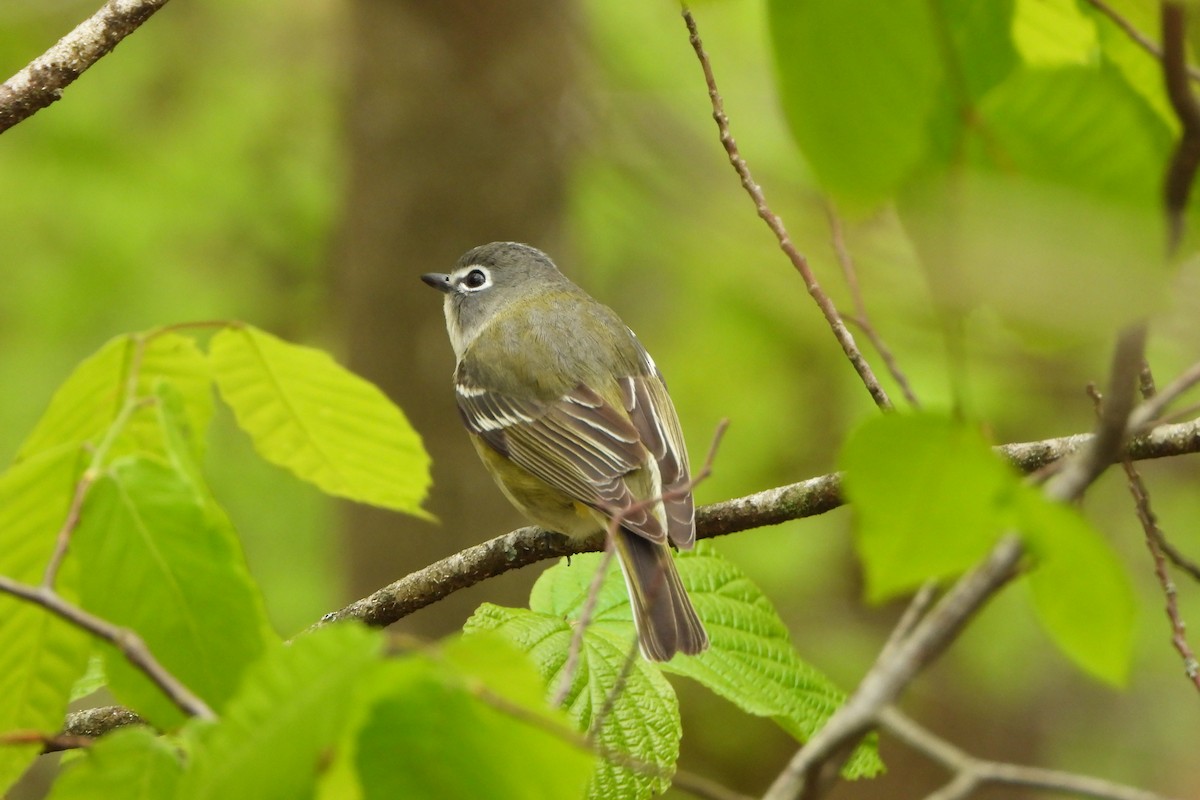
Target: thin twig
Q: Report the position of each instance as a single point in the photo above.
(50, 743)
(585, 618)
(43, 80)
(832, 317)
(1185, 160)
(1153, 408)
(817, 764)
(63, 540)
(1111, 431)
(1146, 384)
(129, 405)
(861, 318)
(1140, 39)
(814, 768)
(972, 773)
(1154, 540)
(125, 640)
(921, 602)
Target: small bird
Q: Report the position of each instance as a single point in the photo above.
(571, 417)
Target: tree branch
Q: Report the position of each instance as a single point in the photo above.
(1140, 39)
(43, 80)
(861, 318)
(832, 317)
(971, 773)
(125, 640)
(808, 498)
(814, 768)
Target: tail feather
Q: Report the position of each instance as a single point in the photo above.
(662, 612)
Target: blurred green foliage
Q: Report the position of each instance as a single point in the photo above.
(196, 173)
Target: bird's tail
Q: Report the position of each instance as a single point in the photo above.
(662, 612)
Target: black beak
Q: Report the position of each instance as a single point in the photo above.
(438, 280)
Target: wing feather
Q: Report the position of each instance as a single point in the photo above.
(578, 444)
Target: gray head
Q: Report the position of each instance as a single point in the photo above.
(485, 280)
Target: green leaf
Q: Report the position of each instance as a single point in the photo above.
(273, 736)
(161, 561)
(930, 499)
(41, 656)
(89, 400)
(1054, 33)
(93, 680)
(131, 763)
(642, 723)
(1078, 127)
(751, 661)
(1142, 70)
(1082, 594)
(485, 697)
(325, 424)
(860, 83)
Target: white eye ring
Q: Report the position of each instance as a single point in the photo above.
(473, 279)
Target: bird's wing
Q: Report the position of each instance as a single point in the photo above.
(653, 415)
(649, 407)
(579, 444)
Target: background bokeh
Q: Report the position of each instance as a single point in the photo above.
(299, 163)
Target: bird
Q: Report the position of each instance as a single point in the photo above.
(572, 418)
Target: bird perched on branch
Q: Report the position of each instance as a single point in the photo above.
(573, 420)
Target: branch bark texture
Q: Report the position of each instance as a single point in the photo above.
(43, 80)
(525, 546)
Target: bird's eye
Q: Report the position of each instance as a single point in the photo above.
(475, 279)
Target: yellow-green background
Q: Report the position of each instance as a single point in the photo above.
(200, 172)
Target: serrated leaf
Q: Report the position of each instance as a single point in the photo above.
(162, 562)
(643, 721)
(487, 699)
(930, 499)
(860, 83)
(88, 402)
(132, 763)
(1082, 594)
(41, 656)
(273, 735)
(326, 425)
(751, 661)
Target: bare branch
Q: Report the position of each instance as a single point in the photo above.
(127, 641)
(832, 317)
(585, 618)
(1140, 39)
(814, 768)
(43, 80)
(1105, 445)
(1154, 540)
(861, 318)
(809, 498)
(972, 773)
(1152, 410)
(817, 764)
